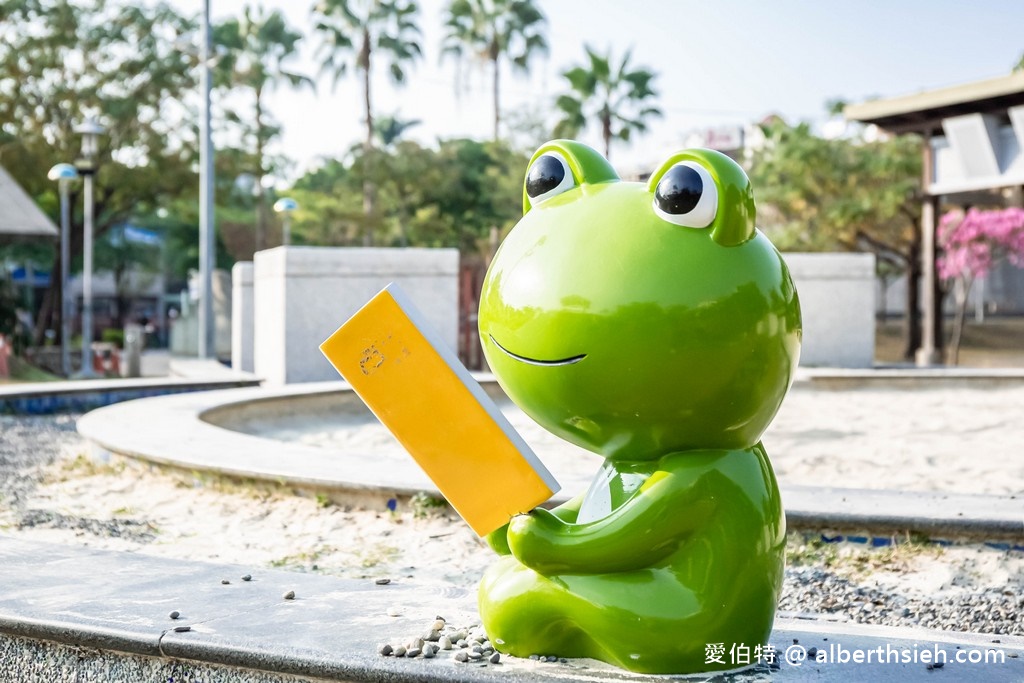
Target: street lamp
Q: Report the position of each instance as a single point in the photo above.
(64, 174)
(90, 131)
(285, 206)
(207, 260)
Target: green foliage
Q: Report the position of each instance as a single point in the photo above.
(112, 335)
(63, 61)
(387, 27)
(446, 197)
(613, 95)
(254, 51)
(490, 30)
(845, 194)
(379, 27)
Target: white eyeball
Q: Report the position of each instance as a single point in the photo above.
(548, 176)
(687, 195)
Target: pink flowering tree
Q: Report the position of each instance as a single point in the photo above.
(972, 243)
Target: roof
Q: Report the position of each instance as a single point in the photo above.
(925, 110)
(19, 215)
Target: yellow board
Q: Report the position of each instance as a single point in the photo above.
(420, 391)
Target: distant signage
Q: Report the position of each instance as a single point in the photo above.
(725, 138)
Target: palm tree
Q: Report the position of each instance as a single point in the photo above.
(385, 27)
(253, 52)
(618, 98)
(492, 29)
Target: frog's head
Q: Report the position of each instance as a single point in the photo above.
(638, 319)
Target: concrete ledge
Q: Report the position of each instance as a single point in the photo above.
(909, 378)
(183, 432)
(49, 397)
(75, 609)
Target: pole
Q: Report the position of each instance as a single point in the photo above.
(927, 355)
(206, 223)
(65, 269)
(87, 281)
(287, 228)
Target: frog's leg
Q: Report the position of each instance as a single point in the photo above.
(525, 613)
(653, 620)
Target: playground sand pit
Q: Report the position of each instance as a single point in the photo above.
(51, 491)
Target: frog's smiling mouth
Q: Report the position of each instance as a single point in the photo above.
(533, 361)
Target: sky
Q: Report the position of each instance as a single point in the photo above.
(720, 63)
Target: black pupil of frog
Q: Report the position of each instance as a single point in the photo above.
(545, 175)
(679, 190)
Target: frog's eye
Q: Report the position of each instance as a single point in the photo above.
(548, 176)
(687, 195)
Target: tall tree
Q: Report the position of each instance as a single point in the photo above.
(255, 50)
(492, 30)
(848, 194)
(616, 96)
(61, 61)
(361, 30)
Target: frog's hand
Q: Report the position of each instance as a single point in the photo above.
(567, 512)
(498, 540)
(645, 529)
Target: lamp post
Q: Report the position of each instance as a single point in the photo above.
(90, 131)
(207, 338)
(64, 174)
(285, 206)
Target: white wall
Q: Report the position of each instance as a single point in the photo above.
(837, 301)
(242, 309)
(303, 294)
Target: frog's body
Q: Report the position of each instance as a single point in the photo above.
(651, 323)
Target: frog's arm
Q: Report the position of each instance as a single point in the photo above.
(645, 529)
(567, 512)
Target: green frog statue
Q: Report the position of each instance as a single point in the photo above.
(654, 324)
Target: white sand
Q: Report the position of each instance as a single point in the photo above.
(959, 440)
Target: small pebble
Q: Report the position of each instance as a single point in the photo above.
(535, 657)
(428, 654)
(552, 658)
(431, 648)
(290, 595)
(440, 618)
(463, 643)
(417, 643)
(225, 582)
(457, 636)
(812, 653)
(175, 614)
(432, 637)
(414, 652)
(247, 577)
(477, 650)
(385, 649)
(437, 625)
(495, 658)
(939, 665)
(182, 629)
(476, 655)
(445, 642)
(461, 656)
(399, 651)
(394, 611)
(382, 582)
(563, 660)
